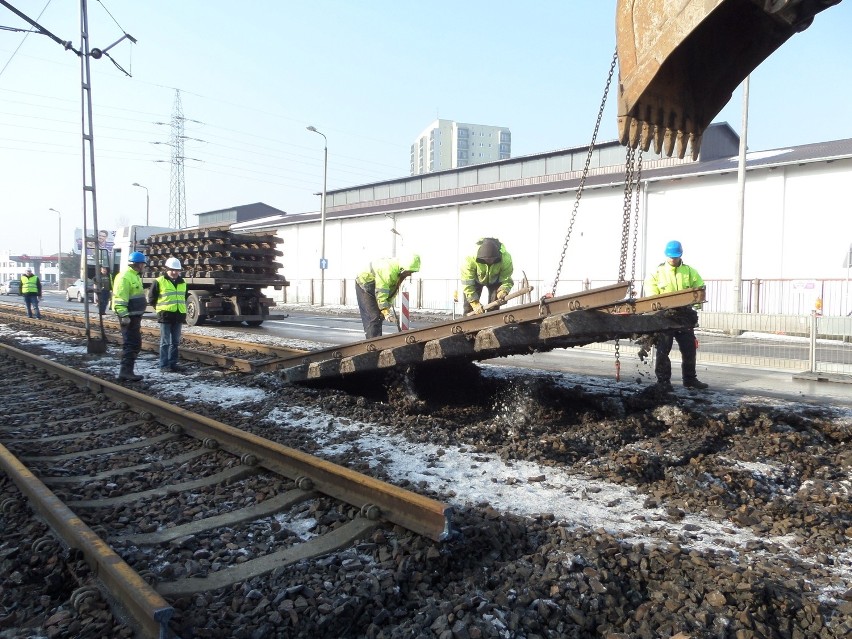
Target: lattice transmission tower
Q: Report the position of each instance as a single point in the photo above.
(177, 199)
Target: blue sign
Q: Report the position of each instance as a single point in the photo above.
(323, 263)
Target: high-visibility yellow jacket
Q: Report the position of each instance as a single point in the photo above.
(668, 279)
(128, 296)
(385, 272)
(473, 273)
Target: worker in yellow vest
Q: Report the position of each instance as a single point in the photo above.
(168, 297)
(129, 303)
(31, 290)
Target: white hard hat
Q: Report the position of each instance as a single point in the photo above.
(174, 264)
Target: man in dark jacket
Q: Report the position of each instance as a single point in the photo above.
(31, 290)
(105, 291)
(168, 297)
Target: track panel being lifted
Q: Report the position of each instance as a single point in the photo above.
(597, 315)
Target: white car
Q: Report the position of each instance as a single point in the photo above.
(75, 291)
(12, 287)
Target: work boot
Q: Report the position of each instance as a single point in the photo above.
(695, 383)
(664, 386)
(126, 374)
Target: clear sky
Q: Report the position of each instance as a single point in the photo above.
(369, 74)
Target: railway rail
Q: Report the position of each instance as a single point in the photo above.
(92, 470)
(226, 353)
(596, 315)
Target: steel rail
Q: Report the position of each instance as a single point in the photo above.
(209, 340)
(375, 499)
(151, 342)
(571, 320)
(140, 600)
(459, 326)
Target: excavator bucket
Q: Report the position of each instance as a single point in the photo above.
(680, 61)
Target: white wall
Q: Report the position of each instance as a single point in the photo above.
(798, 225)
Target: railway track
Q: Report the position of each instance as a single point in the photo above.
(596, 315)
(225, 353)
(147, 492)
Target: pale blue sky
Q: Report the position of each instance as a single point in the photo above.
(370, 74)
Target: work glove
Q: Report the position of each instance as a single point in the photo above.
(477, 308)
(386, 313)
(124, 321)
(501, 294)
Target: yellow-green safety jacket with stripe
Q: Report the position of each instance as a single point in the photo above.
(128, 295)
(171, 295)
(473, 272)
(385, 272)
(668, 279)
(30, 284)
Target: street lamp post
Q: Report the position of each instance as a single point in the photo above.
(147, 201)
(59, 252)
(323, 262)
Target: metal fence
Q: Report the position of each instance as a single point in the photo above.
(833, 297)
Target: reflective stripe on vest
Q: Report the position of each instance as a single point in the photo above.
(171, 298)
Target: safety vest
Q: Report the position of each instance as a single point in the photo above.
(172, 298)
(29, 284)
(128, 296)
(668, 279)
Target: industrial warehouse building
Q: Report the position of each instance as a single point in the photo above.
(796, 233)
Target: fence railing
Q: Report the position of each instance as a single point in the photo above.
(764, 296)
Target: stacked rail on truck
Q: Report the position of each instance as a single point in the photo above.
(225, 272)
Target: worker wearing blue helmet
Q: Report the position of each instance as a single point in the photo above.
(670, 276)
(129, 303)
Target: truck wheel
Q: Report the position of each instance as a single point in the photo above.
(254, 322)
(193, 311)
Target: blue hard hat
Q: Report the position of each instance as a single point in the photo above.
(674, 249)
(136, 258)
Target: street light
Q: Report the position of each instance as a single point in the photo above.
(147, 201)
(59, 252)
(323, 262)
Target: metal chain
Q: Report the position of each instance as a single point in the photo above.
(636, 224)
(636, 177)
(584, 175)
(627, 205)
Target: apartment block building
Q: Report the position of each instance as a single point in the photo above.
(446, 144)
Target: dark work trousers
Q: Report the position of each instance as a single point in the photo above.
(371, 316)
(686, 343)
(103, 301)
(492, 295)
(131, 341)
(31, 300)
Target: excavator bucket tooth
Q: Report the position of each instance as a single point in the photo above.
(680, 60)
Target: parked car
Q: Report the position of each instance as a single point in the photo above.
(75, 291)
(12, 287)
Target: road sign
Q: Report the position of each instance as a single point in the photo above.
(323, 263)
